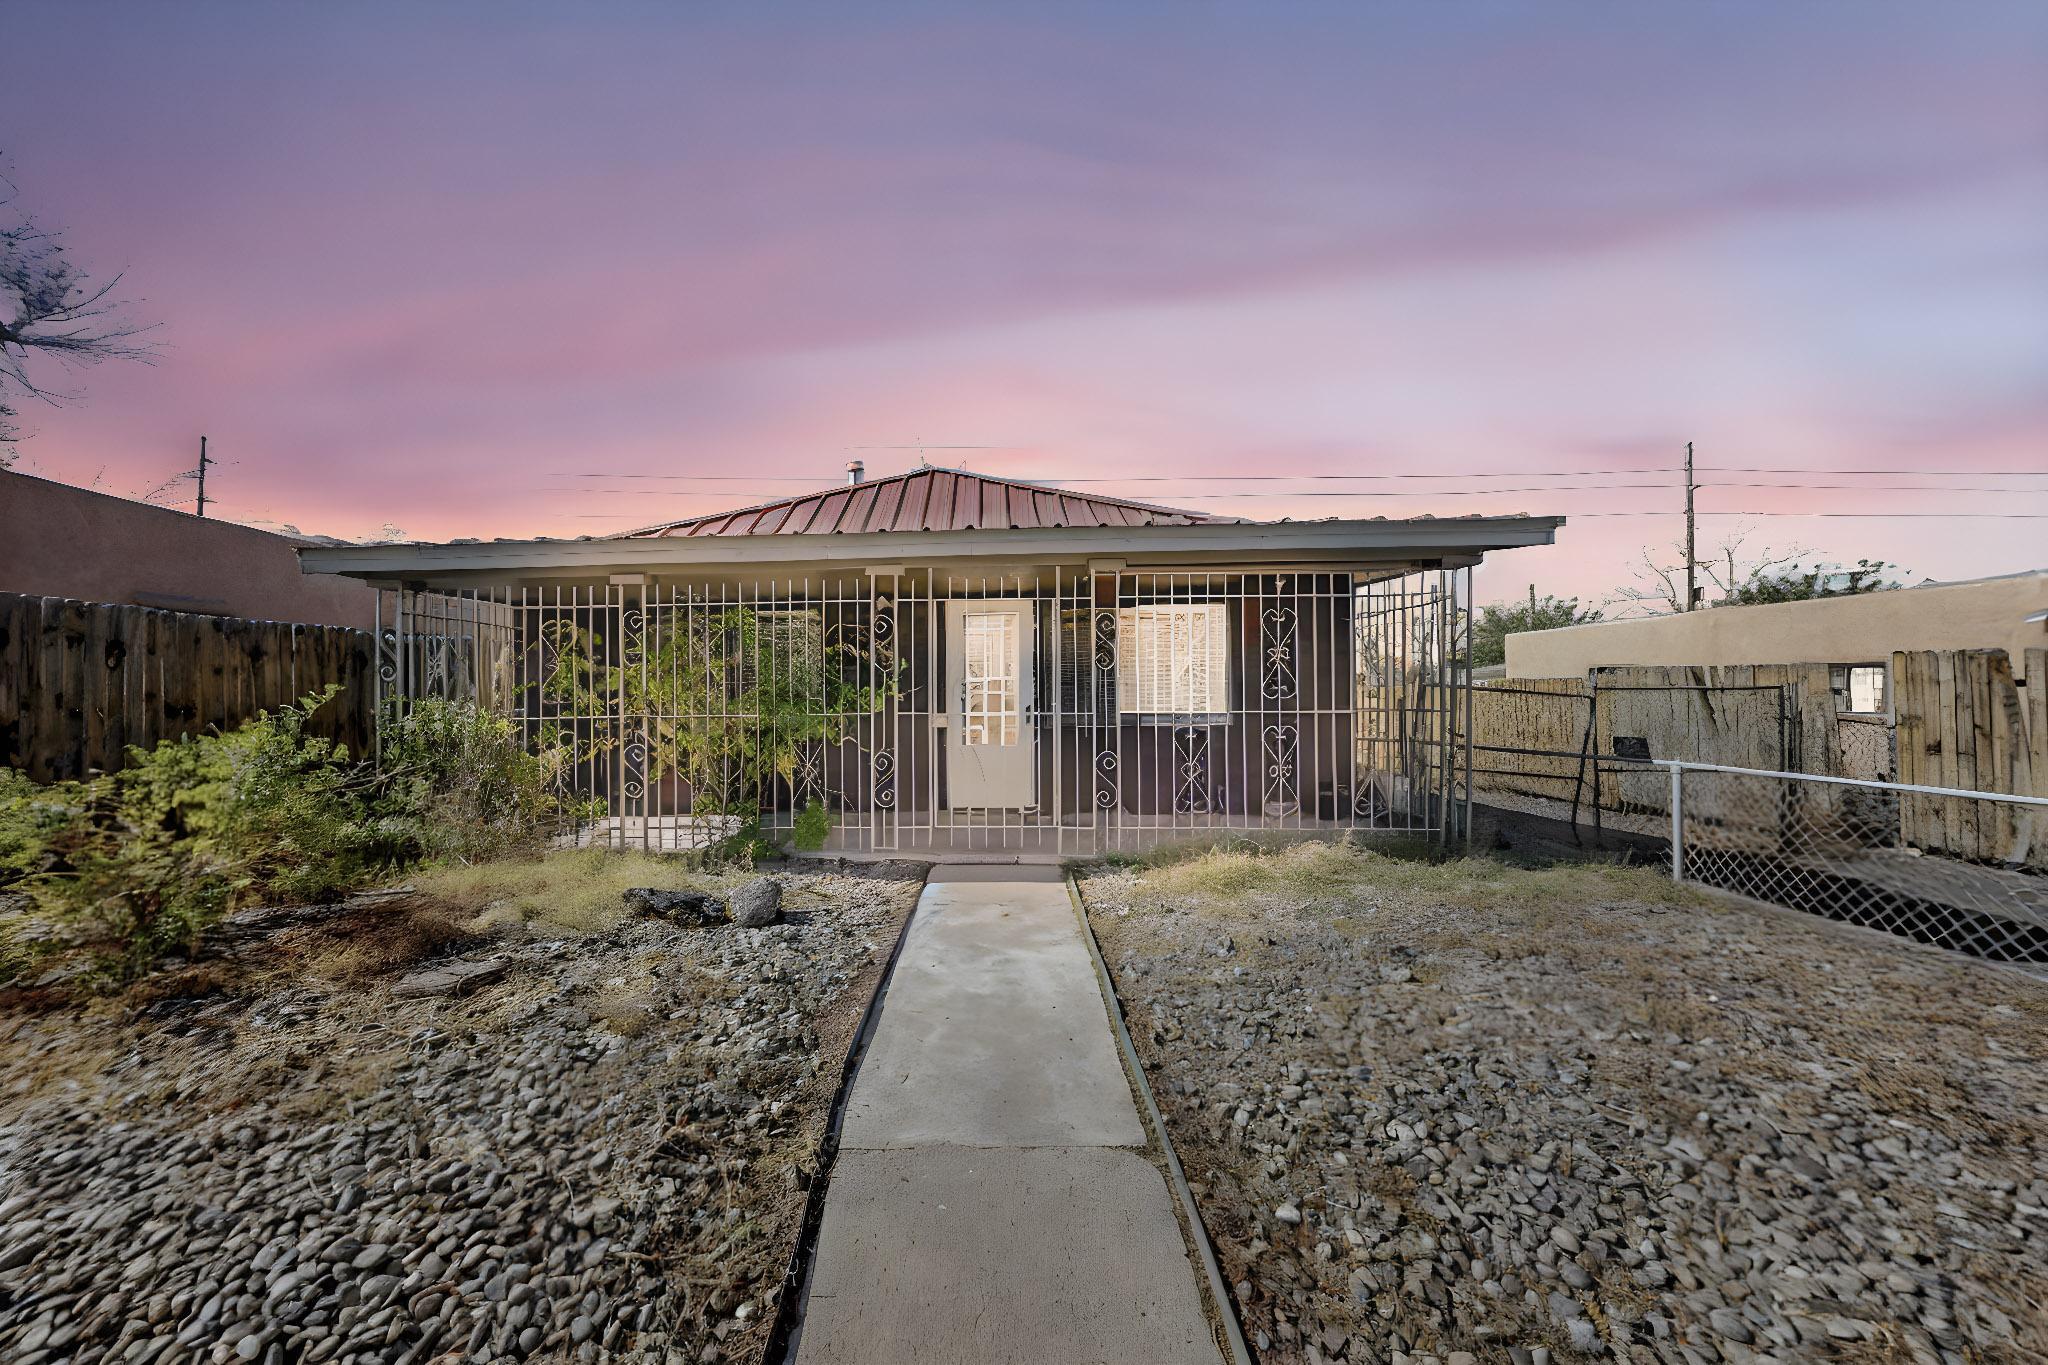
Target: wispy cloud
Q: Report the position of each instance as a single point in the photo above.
(415, 263)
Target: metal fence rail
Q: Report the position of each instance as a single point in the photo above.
(1834, 846)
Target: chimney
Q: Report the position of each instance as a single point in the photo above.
(854, 470)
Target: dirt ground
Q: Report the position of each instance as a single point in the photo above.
(598, 1149)
(1466, 1112)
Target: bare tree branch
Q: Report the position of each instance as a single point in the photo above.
(50, 308)
(1660, 575)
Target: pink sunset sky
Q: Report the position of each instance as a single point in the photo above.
(433, 266)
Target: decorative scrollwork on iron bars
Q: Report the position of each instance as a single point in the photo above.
(1191, 770)
(1366, 802)
(882, 643)
(434, 666)
(633, 753)
(387, 654)
(1282, 746)
(1276, 678)
(883, 766)
(1105, 778)
(883, 631)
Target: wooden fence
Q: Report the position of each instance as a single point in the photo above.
(1964, 721)
(82, 681)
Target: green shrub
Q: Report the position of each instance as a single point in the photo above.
(813, 824)
(464, 778)
(128, 867)
(29, 815)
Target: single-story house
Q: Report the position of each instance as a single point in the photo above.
(943, 661)
(1855, 634)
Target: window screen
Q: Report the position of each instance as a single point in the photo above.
(1173, 660)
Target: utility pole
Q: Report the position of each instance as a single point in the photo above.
(203, 462)
(1691, 561)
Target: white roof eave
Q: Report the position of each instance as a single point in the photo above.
(1239, 542)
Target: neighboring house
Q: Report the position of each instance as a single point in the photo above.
(61, 541)
(1841, 646)
(1857, 634)
(949, 661)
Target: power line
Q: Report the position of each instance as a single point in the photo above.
(1445, 492)
(1996, 516)
(1305, 493)
(2006, 516)
(1930, 473)
(1346, 478)
(1146, 478)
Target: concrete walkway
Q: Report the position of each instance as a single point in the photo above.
(992, 1203)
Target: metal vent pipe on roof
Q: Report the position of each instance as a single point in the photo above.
(854, 470)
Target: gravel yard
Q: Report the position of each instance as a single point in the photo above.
(1469, 1112)
(590, 1139)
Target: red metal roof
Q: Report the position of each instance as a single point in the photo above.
(928, 499)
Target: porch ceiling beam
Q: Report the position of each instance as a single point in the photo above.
(1248, 543)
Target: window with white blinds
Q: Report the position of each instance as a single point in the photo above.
(1173, 660)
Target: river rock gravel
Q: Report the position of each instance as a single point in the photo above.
(595, 1150)
(1577, 1116)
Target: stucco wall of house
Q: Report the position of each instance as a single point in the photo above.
(61, 541)
(1983, 613)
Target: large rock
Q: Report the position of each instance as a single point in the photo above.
(451, 978)
(677, 907)
(758, 904)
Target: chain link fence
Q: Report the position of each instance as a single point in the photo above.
(1835, 847)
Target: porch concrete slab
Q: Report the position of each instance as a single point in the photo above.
(993, 1032)
(973, 1256)
(996, 872)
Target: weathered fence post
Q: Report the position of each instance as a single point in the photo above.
(1677, 822)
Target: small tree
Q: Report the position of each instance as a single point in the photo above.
(50, 308)
(1796, 584)
(1501, 619)
(1660, 574)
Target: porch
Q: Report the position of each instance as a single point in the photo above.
(923, 712)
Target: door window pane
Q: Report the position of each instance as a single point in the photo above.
(989, 709)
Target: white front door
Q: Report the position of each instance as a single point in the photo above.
(989, 715)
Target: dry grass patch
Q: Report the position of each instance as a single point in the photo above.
(574, 892)
(1241, 879)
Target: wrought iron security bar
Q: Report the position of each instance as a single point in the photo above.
(1146, 706)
